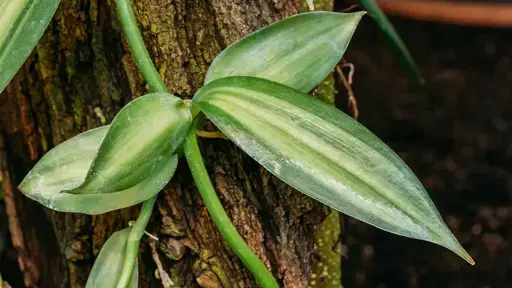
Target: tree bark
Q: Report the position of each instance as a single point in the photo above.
(80, 74)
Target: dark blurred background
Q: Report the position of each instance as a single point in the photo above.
(456, 137)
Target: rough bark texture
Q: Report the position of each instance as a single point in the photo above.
(78, 77)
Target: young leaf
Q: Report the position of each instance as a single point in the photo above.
(65, 167)
(298, 51)
(325, 154)
(22, 23)
(142, 136)
(394, 39)
(108, 264)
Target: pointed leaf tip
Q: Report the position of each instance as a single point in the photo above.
(452, 244)
(64, 168)
(469, 259)
(325, 154)
(299, 51)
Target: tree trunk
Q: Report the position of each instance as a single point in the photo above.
(80, 74)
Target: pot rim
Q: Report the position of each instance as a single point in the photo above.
(492, 14)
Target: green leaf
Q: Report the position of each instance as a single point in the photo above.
(114, 166)
(325, 154)
(394, 39)
(298, 51)
(65, 167)
(142, 136)
(108, 264)
(22, 23)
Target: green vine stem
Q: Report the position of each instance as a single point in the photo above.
(132, 245)
(152, 77)
(219, 216)
(139, 51)
(195, 161)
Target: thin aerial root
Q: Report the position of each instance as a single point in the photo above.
(351, 72)
(145, 232)
(347, 83)
(162, 275)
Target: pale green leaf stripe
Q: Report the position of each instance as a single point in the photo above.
(10, 11)
(22, 23)
(144, 134)
(299, 51)
(326, 154)
(65, 167)
(108, 264)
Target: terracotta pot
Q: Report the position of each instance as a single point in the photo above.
(475, 13)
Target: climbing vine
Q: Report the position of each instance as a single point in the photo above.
(255, 93)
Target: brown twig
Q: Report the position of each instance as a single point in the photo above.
(164, 277)
(352, 101)
(350, 8)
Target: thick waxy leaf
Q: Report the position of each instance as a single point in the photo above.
(108, 264)
(325, 154)
(298, 51)
(65, 167)
(142, 136)
(22, 23)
